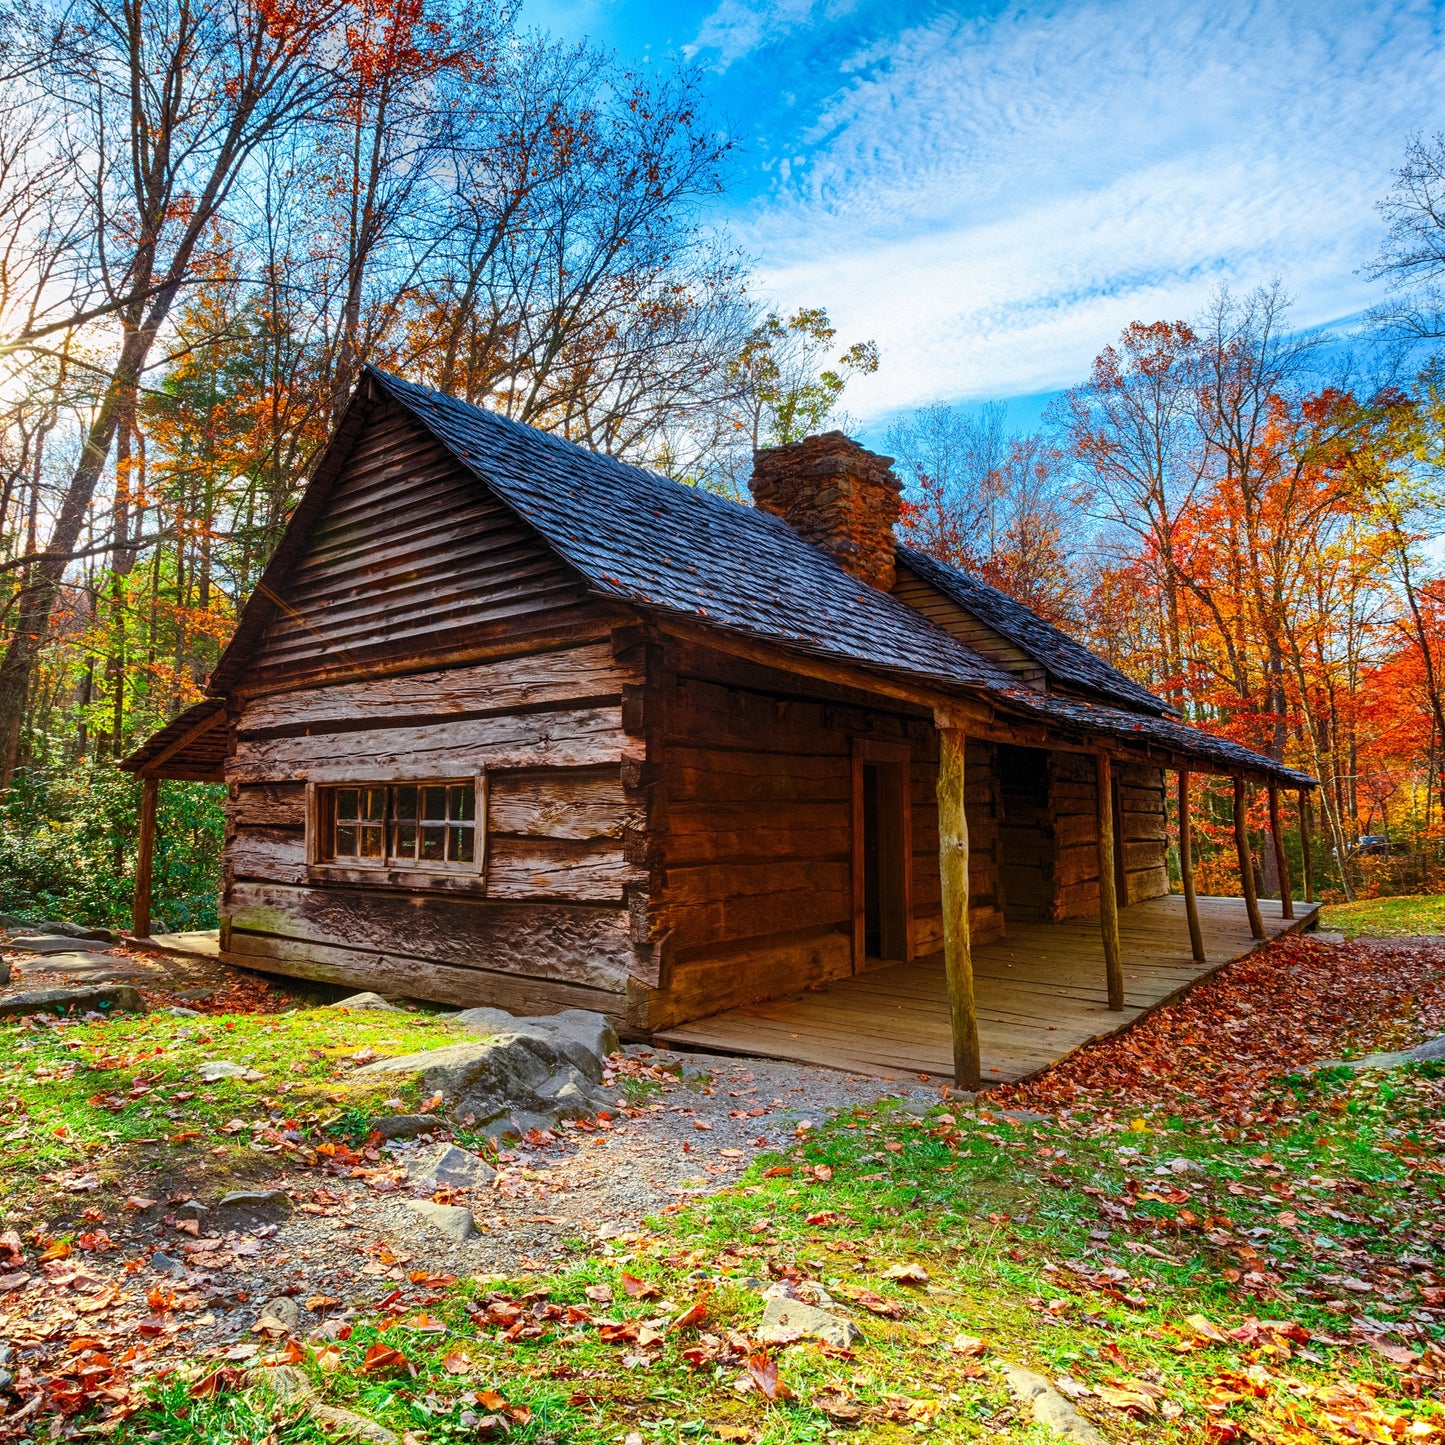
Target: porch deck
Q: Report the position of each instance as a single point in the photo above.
(1040, 995)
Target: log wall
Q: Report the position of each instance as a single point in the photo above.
(548, 924)
(750, 839)
(1141, 833)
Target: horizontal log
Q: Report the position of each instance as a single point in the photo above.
(1076, 829)
(559, 803)
(1143, 827)
(697, 774)
(580, 738)
(582, 944)
(1074, 865)
(261, 805)
(275, 854)
(1143, 855)
(509, 684)
(730, 919)
(735, 880)
(401, 975)
(582, 872)
(767, 969)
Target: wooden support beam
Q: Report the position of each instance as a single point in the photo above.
(1186, 869)
(1304, 843)
(140, 914)
(1108, 896)
(953, 871)
(1281, 863)
(1246, 861)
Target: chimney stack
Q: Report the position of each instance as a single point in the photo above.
(837, 495)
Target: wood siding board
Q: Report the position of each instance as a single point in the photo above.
(564, 738)
(583, 944)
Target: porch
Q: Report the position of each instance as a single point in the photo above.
(1040, 994)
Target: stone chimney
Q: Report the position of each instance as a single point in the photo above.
(836, 495)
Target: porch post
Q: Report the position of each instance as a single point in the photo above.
(145, 850)
(1246, 862)
(1186, 869)
(1304, 843)
(1108, 893)
(953, 872)
(1281, 863)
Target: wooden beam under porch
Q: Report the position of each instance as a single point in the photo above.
(1041, 993)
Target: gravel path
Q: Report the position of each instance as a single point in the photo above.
(555, 1197)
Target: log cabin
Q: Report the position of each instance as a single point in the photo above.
(509, 722)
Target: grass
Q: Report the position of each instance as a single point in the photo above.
(1200, 1279)
(1410, 915)
(122, 1100)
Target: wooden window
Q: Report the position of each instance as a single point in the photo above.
(401, 826)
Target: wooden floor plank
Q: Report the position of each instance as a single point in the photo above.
(1041, 995)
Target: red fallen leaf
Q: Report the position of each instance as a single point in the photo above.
(217, 1382)
(383, 1357)
(764, 1372)
(491, 1400)
(189, 1226)
(456, 1363)
(638, 1288)
(9, 1282)
(59, 1249)
(295, 1353)
(826, 1217)
(778, 1171)
(692, 1317)
(617, 1334)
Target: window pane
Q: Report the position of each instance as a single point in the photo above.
(433, 844)
(459, 845)
(461, 803)
(434, 804)
(347, 800)
(405, 840)
(405, 802)
(370, 840)
(345, 840)
(373, 800)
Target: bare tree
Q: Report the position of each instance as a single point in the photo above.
(167, 100)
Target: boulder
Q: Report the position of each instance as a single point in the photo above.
(54, 943)
(247, 1204)
(103, 998)
(455, 1168)
(365, 1000)
(77, 930)
(785, 1320)
(524, 1074)
(402, 1126)
(1050, 1408)
(4, 973)
(451, 1220)
(212, 1071)
(1420, 1054)
(592, 1032)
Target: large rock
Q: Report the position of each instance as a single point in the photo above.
(76, 930)
(56, 943)
(451, 1220)
(105, 998)
(455, 1168)
(1049, 1407)
(590, 1035)
(526, 1073)
(365, 1001)
(785, 1320)
(1420, 1054)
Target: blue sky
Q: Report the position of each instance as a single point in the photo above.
(991, 192)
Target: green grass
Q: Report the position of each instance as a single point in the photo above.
(1038, 1238)
(121, 1101)
(1385, 917)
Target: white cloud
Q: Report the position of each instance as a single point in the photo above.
(991, 200)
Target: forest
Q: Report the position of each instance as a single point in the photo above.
(212, 215)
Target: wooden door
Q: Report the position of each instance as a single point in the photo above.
(882, 854)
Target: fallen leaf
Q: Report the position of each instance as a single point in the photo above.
(763, 1371)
